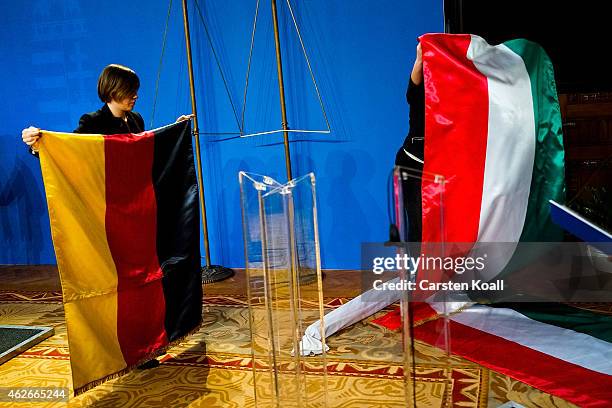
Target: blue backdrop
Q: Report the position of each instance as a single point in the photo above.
(361, 52)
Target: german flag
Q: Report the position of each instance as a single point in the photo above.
(125, 226)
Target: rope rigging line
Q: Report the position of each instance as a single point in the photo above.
(179, 88)
(161, 59)
(320, 99)
(240, 122)
(314, 81)
(229, 96)
(246, 82)
(233, 135)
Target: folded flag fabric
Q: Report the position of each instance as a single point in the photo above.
(125, 226)
(564, 350)
(493, 130)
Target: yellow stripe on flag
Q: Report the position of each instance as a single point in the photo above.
(94, 347)
(73, 170)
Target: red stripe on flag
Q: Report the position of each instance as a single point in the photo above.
(456, 127)
(131, 227)
(571, 382)
(392, 320)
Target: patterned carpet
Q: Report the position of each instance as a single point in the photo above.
(213, 368)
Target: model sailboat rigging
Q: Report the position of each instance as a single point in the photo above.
(212, 273)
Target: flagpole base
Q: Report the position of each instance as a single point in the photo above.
(215, 273)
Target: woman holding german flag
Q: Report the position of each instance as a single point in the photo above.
(118, 89)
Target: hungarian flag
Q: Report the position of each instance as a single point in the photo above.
(125, 227)
(493, 130)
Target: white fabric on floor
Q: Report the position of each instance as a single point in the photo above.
(358, 309)
(351, 312)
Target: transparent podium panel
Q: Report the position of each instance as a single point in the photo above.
(425, 304)
(284, 289)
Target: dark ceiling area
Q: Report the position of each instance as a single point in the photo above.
(576, 35)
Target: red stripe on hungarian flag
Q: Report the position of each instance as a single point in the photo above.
(125, 226)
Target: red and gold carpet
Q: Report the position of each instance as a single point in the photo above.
(212, 368)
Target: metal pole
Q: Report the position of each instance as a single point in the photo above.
(281, 89)
(196, 132)
(211, 273)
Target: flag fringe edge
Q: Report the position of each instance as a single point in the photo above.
(156, 353)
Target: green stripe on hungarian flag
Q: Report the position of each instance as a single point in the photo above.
(563, 350)
(493, 130)
(125, 226)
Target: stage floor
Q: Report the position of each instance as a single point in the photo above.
(212, 367)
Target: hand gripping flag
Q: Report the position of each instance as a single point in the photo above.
(125, 227)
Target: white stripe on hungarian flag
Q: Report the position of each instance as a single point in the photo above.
(493, 130)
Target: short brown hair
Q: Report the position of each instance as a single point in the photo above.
(117, 82)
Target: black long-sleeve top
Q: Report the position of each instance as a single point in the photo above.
(415, 95)
(104, 122)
